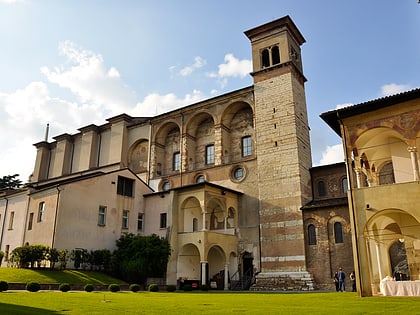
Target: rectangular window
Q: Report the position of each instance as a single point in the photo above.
(163, 221)
(176, 161)
(210, 154)
(125, 219)
(11, 218)
(246, 146)
(31, 220)
(140, 221)
(41, 211)
(6, 253)
(125, 186)
(102, 216)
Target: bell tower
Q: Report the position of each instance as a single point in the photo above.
(282, 149)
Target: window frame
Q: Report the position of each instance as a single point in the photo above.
(246, 143)
(209, 154)
(11, 220)
(125, 186)
(312, 234)
(163, 220)
(322, 191)
(125, 219)
(102, 215)
(338, 233)
(30, 221)
(176, 161)
(140, 221)
(41, 212)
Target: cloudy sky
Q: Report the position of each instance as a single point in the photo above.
(71, 63)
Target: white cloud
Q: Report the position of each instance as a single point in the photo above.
(343, 105)
(198, 63)
(10, 1)
(234, 67)
(392, 88)
(332, 154)
(98, 92)
(155, 104)
(90, 81)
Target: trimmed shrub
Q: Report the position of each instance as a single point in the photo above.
(134, 287)
(114, 287)
(33, 286)
(153, 287)
(4, 286)
(171, 288)
(187, 287)
(204, 287)
(88, 287)
(64, 287)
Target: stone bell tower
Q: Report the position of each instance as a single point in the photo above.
(283, 153)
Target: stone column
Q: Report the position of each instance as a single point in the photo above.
(204, 220)
(358, 172)
(378, 257)
(203, 272)
(226, 284)
(414, 162)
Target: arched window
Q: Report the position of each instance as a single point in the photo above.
(311, 234)
(265, 58)
(321, 188)
(344, 185)
(200, 179)
(338, 232)
(195, 225)
(275, 55)
(176, 161)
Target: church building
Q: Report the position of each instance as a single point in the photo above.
(226, 180)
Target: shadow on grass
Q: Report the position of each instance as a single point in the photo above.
(11, 309)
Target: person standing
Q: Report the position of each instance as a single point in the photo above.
(341, 280)
(337, 288)
(353, 281)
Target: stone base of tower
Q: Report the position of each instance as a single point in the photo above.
(283, 281)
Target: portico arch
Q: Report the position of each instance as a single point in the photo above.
(188, 264)
(382, 231)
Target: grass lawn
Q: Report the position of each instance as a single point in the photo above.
(14, 302)
(49, 276)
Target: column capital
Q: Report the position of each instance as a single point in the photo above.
(412, 149)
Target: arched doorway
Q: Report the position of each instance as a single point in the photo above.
(216, 267)
(398, 260)
(247, 270)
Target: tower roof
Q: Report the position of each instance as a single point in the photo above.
(274, 26)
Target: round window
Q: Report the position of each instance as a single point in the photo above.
(166, 186)
(238, 173)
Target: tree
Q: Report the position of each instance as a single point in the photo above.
(138, 257)
(10, 182)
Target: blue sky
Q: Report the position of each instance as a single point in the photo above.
(73, 63)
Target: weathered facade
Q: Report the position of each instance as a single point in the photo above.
(223, 179)
(381, 140)
(327, 226)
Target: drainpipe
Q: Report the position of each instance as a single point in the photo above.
(4, 222)
(56, 214)
(354, 227)
(26, 220)
(182, 147)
